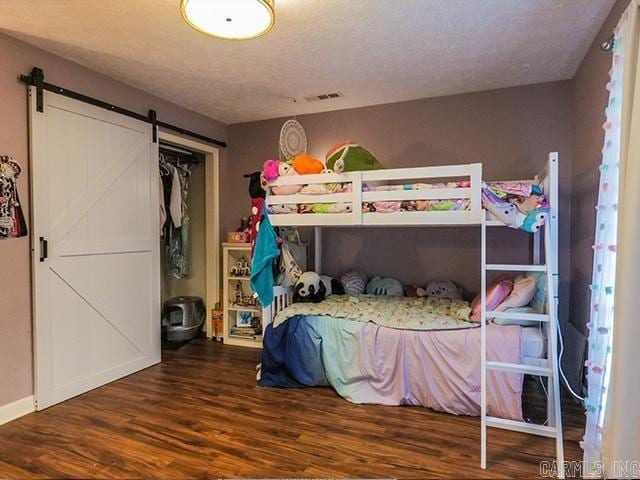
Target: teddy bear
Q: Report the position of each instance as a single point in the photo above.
(414, 291)
(443, 289)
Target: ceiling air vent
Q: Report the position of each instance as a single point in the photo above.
(324, 96)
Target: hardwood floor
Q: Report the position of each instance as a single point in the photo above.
(199, 414)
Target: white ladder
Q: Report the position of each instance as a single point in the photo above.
(549, 322)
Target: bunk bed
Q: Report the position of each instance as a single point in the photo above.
(467, 368)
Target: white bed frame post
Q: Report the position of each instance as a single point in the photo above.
(551, 231)
(483, 344)
(317, 231)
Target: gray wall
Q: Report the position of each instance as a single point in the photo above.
(510, 131)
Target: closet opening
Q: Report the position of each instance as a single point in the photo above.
(189, 237)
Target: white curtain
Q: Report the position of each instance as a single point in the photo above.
(612, 433)
(621, 430)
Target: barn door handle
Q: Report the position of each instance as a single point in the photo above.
(44, 249)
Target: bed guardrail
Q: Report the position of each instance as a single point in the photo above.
(282, 298)
(355, 197)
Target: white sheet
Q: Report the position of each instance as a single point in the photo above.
(533, 345)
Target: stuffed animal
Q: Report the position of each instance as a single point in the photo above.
(256, 185)
(443, 289)
(286, 170)
(271, 170)
(350, 157)
(354, 282)
(385, 286)
(314, 288)
(534, 220)
(307, 165)
(414, 291)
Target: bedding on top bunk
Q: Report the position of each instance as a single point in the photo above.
(517, 204)
(366, 362)
(381, 207)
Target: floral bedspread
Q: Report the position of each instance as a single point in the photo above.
(404, 313)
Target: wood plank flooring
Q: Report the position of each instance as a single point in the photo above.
(199, 414)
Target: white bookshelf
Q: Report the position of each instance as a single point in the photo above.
(232, 252)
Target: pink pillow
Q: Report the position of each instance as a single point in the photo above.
(523, 290)
(496, 293)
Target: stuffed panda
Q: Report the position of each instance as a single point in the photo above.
(314, 288)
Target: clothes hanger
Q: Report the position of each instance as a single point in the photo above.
(164, 169)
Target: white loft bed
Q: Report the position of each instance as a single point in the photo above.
(475, 215)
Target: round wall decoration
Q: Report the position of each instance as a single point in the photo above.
(293, 140)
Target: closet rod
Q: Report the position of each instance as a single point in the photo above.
(36, 79)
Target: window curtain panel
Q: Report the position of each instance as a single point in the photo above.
(604, 265)
(621, 430)
(612, 434)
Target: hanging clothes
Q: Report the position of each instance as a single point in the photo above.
(166, 179)
(175, 201)
(12, 222)
(163, 208)
(175, 233)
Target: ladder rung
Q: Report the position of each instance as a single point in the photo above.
(516, 268)
(519, 368)
(523, 427)
(535, 317)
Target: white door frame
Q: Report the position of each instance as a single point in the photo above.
(212, 216)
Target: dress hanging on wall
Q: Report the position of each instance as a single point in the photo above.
(12, 223)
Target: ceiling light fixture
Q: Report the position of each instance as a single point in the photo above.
(230, 19)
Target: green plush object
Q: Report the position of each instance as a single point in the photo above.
(350, 157)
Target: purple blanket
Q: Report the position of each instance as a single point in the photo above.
(368, 363)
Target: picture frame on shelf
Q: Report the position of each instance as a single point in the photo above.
(244, 319)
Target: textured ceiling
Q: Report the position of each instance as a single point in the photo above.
(372, 51)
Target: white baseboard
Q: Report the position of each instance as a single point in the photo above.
(16, 409)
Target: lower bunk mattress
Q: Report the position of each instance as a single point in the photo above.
(369, 363)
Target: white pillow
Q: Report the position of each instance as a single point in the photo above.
(523, 291)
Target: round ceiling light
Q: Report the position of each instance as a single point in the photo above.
(230, 19)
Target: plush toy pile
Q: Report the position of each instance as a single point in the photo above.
(312, 287)
(525, 293)
(343, 157)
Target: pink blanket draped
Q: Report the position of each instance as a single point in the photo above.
(435, 369)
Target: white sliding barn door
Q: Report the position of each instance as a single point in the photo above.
(95, 201)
